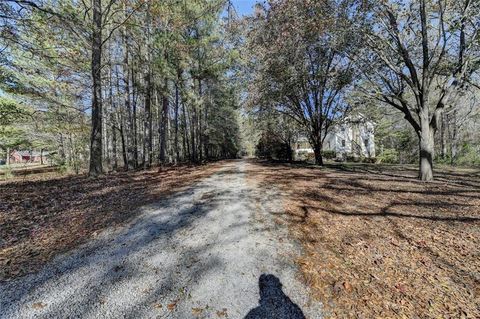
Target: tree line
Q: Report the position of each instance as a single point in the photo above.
(138, 82)
(127, 84)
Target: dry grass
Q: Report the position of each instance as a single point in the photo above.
(42, 218)
(380, 244)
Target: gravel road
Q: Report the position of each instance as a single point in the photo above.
(209, 251)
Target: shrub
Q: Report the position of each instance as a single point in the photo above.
(63, 169)
(388, 156)
(369, 160)
(270, 147)
(469, 155)
(328, 154)
(7, 172)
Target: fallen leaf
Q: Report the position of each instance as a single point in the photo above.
(172, 306)
(197, 311)
(347, 286)
(222, 313)
(401, 288)
(38, 305)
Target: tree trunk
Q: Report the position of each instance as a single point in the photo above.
(114, 148)
(96, 135)
(317, 150)
(426, 141)
(206, 139)
(186, 144)
(134, 120)
(124, 148)
(8, 156)
(164, 125)
(148, 95)
(128, 129)
(192, 133)
(443, 144)
(148, 153)
(316, 143)
(453, 140)
(177, 151)
(105, 128)
(62, 149)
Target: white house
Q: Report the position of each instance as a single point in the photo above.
(354, 137)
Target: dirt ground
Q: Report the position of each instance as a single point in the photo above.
(380, 244)
(209, 250)
(42, 218)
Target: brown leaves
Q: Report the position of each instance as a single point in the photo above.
(197, 311)
(46, 217)
(342, 286)
(171, 306)
(222, 313)
(380, 246)
(157, 305)
(38, 305)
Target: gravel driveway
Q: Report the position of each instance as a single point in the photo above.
(210, 251)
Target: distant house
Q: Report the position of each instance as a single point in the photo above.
(354, 137)
(28, 157)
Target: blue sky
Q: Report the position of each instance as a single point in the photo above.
(244, 7)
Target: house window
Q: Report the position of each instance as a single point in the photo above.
(343, 143)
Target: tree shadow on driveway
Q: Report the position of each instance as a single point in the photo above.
(273, 302)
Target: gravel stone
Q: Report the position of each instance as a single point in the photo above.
(210, 251)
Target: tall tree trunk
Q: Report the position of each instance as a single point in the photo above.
(186, 144)
(114, 148)
(205, 132)
(112, 119)
(148, 153)
(126, 97)
(177, 151)
(453, 140)
(8, 156)
(199, 131)
(105, 129)
(124, 147)
(62, 149)
(96, 167)
(134, 120)
(127, 140)
(120, 119)
(164, 125)
(443, 144)
(426, 142)
(193, 125)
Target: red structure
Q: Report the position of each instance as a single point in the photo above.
(27, 157)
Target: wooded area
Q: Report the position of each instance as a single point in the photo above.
(192, 158)
(145, 82)
(132, 83)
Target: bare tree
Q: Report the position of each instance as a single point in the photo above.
(421, 56)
